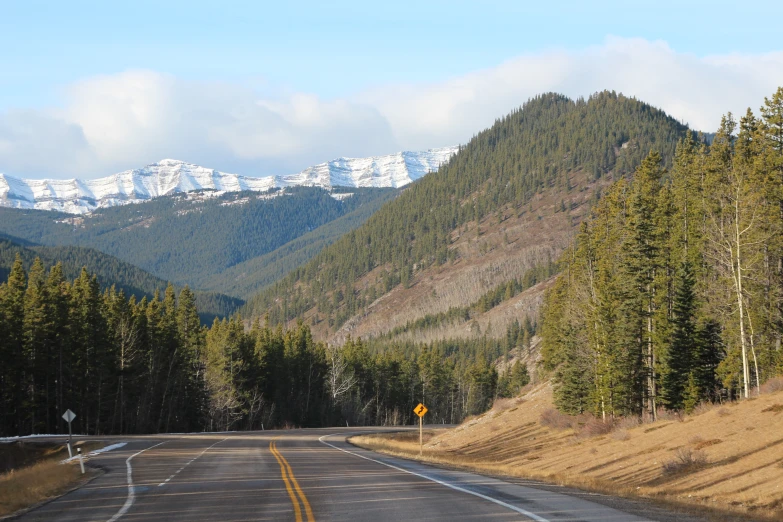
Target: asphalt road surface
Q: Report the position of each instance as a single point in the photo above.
(307, 475)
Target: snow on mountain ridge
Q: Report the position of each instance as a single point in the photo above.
(170, 176)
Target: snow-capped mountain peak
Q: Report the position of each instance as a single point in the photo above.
(171, 176)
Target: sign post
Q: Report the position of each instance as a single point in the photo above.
(69, 416)
(420, 410)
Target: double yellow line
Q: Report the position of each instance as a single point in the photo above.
(290, 479)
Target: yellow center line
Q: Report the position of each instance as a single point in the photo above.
(284, 473)
(305, 503)
(289, 478)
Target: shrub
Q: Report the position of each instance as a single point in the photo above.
(685, 460)
(668, 415)
(702, 407)
(626, 423)
(774, 384)
(594, 427)
(551, 418)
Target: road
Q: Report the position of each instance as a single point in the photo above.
(307, 475)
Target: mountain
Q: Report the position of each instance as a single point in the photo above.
(169, 177)
(110, 271)
(193, 238)
(245, 279)
(465, 251)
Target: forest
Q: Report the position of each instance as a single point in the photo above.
(147, 366)
(672, 292)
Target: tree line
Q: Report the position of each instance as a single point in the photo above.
(146, 366)
(672, 292)
(124, 276)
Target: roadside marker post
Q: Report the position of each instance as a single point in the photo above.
(81, 459)
(421, 410)
(69, 416)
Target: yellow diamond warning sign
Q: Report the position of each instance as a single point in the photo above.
(420, 410)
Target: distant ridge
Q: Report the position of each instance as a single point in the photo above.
(170, 176)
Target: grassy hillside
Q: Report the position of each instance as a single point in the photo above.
(189, 239)
(505, 204)
(110, 271)
(724, 458)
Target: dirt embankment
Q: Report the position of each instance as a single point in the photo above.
(728, 458)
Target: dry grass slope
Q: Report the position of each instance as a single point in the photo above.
(726, 457)
(38, 481)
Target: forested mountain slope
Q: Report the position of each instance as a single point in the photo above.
(190, 238)
(504, 206)
(110, 272)
(245, 279)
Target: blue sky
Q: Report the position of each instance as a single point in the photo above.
(309, 62)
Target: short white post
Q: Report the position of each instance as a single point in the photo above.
(70, 453)
(81, 459)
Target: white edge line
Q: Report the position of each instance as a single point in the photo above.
(519, 510)
(131, 490)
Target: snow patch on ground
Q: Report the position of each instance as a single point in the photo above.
(37, 436)
(96, 452)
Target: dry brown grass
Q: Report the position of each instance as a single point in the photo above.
(38, 480)
(706, 443)
(401, 443)
(740, 472)
(775, 408)
(621, 435)
(28, 486)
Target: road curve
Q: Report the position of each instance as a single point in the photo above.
(309, 475)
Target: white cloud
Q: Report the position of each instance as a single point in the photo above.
(113, 122)
(695, 90)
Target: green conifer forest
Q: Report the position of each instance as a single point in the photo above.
(147, 366)
(672, 292)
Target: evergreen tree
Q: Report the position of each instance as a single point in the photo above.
(691, 395)
(511, 383)
(13, 355)
(683, 350)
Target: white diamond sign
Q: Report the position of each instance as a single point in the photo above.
(69, 416)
